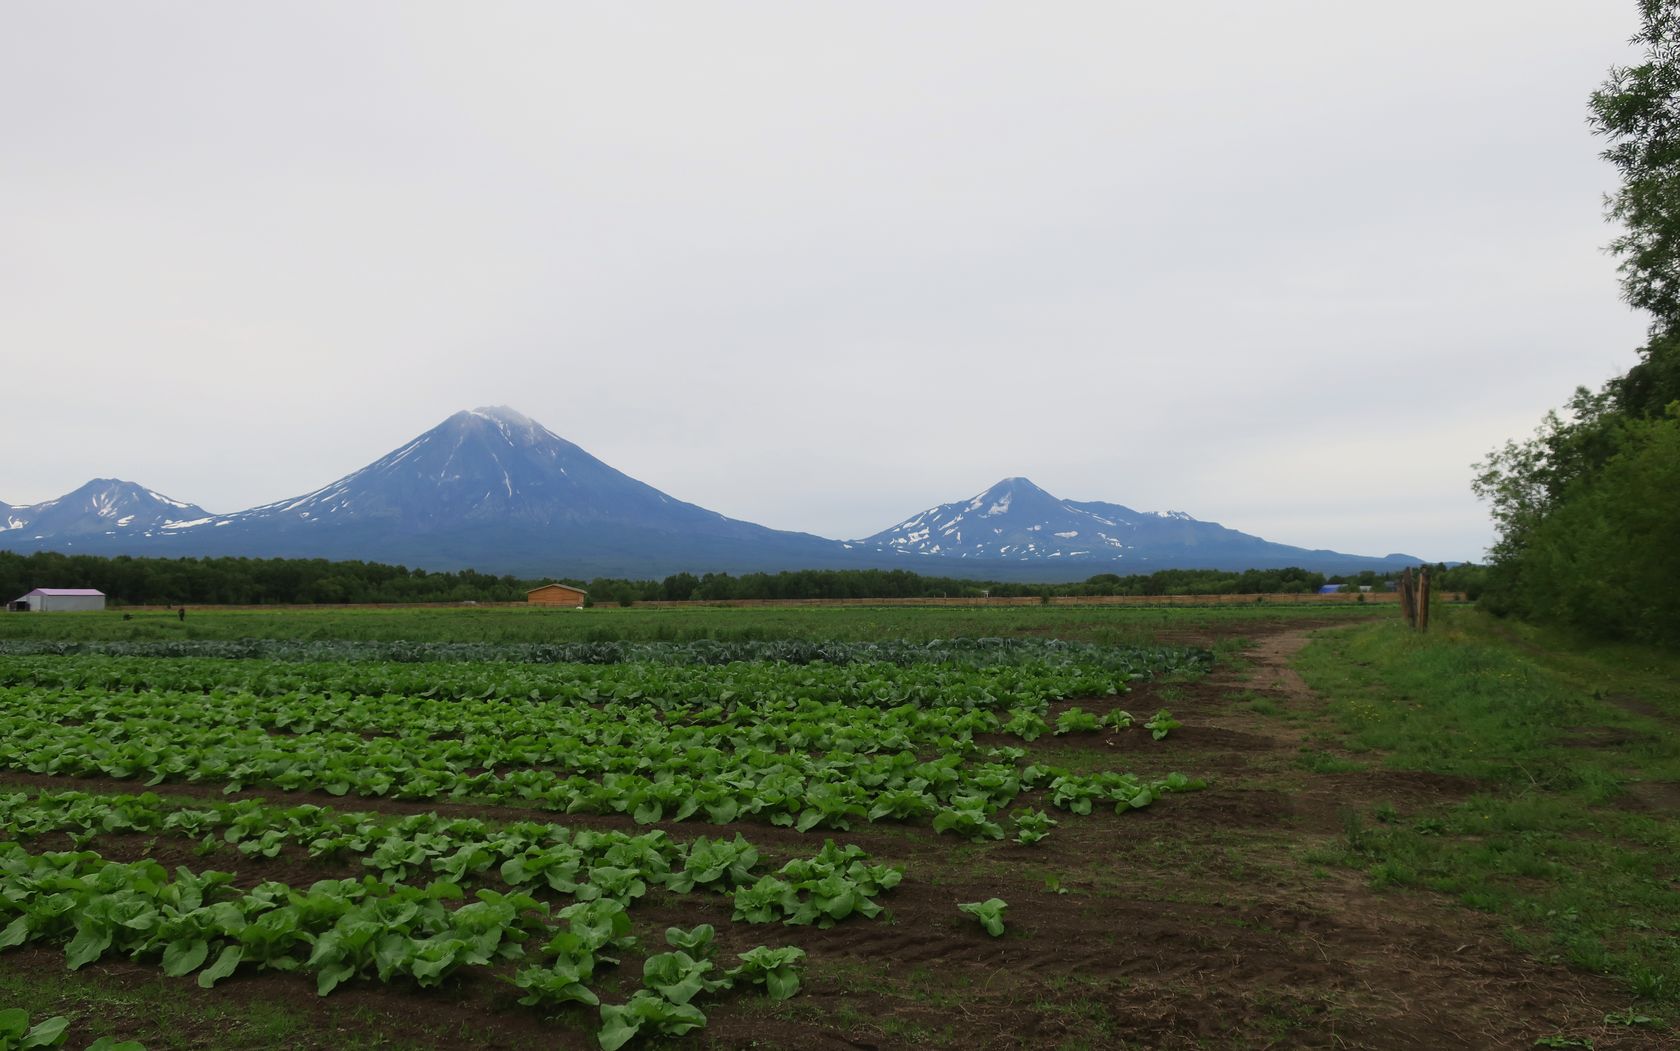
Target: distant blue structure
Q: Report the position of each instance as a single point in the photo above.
(1330, 589)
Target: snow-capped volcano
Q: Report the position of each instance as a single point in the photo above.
(1015, 521)
(489, 465)
(102, 507)
(493, 490)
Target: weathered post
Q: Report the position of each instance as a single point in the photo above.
(1408, 607)
(1423, 600)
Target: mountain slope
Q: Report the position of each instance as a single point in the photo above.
(490, 465)
(1015, 524)
(104, 507)
(492, 490)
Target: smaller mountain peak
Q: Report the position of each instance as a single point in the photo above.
(107, 486)
(1016, 485)
(1010, 492)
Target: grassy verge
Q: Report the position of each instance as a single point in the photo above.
(98, 1007)
(1572, 831)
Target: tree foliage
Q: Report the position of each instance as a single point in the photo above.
(1638, 110)
(1587, 510)
(1607, 557)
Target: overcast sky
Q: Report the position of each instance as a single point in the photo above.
(1289, 266)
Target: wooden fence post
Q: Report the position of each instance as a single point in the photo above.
(1408, 601)
(1423, 600)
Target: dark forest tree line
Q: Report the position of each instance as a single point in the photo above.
(248, 581)
(289, 581)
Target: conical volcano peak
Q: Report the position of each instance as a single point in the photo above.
(515, 427)
(493, 471)
(502, 414)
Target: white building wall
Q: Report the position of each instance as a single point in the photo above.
(63, 603)
(71, 603)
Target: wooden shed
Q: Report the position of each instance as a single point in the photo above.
(556, 595)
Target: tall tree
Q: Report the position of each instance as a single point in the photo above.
(1588, 508)
(1638, 110)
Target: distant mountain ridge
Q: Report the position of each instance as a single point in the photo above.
(104, 506)
(1017, 522)
(493, 490)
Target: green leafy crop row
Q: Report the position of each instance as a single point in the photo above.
(336, 930)
(966, 652)
(747, 741)
(582, 863)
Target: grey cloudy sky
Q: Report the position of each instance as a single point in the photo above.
(1290, 266)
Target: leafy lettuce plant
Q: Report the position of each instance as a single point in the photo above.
(679, 977)
(726, 863)
(696, 941)
(600, 924)
(902, 804)
(988, 912)
(775, 969)
(832, 899)
(1077, 720)
(621, 1022)
(566, 979)
(609, 882)
(967, 820)
(562, 982)
(1027, 725)
(765, 901)
(1032, 826)
(1160, 723)
(1074, 793)
(556, 866)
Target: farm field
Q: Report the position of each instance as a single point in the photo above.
(1126, 626)
(1020, 827)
